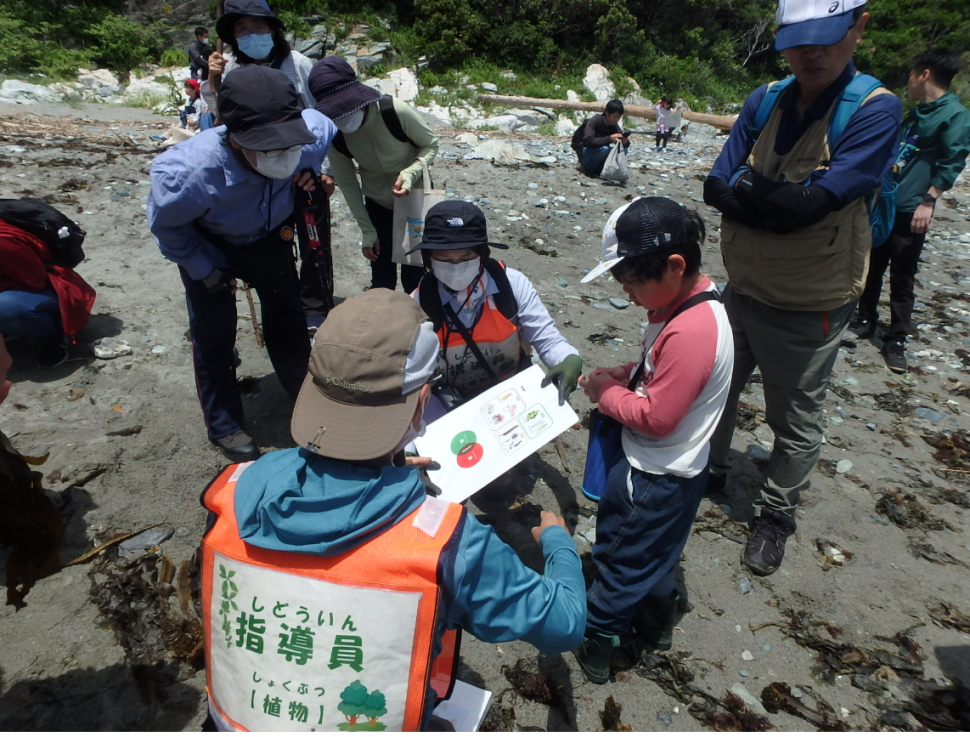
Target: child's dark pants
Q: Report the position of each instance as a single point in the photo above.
(638, 542)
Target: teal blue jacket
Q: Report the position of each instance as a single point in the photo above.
(943, 127)
(295, 501)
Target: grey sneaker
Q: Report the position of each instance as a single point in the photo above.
(858, 330)
(894, 351)
(765, 548)
(238, 447)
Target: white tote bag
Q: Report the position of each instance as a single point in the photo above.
(409, 213)
(615, 166)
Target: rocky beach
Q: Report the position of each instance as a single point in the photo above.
(860, 629)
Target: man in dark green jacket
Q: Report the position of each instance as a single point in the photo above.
(935, 141)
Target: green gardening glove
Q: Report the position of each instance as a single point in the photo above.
(565, 375)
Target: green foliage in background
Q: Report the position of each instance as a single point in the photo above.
(711, 52)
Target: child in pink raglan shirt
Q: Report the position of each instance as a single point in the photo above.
(652, 248)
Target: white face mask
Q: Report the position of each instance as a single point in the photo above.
(350, 123)
(278, 164)
(456, 276)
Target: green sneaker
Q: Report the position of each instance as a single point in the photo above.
(595, 655)
(654, 621)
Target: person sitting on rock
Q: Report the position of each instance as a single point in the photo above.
(390, 143)
(195, 106)
(486, 315)
(600, 134)
(40, 298)
(333, 557)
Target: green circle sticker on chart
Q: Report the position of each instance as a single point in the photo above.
(462, 439)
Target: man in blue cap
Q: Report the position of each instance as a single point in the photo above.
(795, 237)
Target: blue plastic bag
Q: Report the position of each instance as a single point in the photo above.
(604, 448)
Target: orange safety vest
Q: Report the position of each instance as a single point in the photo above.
(300, 642)
(497, 337)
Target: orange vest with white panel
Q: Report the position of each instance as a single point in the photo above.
(298, 642)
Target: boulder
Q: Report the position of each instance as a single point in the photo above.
(26, 93)
(505, 123)
(500, 152)
(488, 87)
(148, 88)
(372, 54)
(96, 78)
(564, 126)
(597, 81)
(400, 83)
(573, 96)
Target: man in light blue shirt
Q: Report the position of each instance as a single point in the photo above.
(221, 207)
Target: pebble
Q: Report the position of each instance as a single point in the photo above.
(745, 586)
(145, 541)
(160, 349)
(843, 466)
(927, 414)
(601, 306)
(796, 692)
(532, 185)
(753, 703)
(562, 282)
(746, 655)
(619, 303)
(871, 426)
(743, 673)
(766, 648)
(107, 348)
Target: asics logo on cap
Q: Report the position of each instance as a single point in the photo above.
(455, 222)
(834, 7)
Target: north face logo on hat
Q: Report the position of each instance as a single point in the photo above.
(455, 222)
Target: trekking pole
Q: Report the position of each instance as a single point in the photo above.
(252, 315)
(316, 223)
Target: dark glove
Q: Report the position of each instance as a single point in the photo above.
(720, 195)
(217, 282)
(565, 375)
(787, 205)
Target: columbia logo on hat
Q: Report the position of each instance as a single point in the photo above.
(455, 222)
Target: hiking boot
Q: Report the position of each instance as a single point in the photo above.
(716, 485)
(765, 548)
(595, 655)
(858, 330)
(894, 351)
(238, 447)
(654, 620)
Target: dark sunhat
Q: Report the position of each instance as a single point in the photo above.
(236, 9)
(454, 224)
(261, 109)
(338, 92)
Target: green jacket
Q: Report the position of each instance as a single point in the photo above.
(380, 158)
(943, 127)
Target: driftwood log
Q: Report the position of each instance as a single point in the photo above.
(722, 122)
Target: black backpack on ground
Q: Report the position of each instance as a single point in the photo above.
(577, 142)
(393, 123)
(62, 235)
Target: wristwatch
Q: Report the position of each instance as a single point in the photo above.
(929, 198)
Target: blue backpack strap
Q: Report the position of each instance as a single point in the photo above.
(855, 93)
(768, 102)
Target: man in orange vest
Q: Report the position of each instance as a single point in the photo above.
(334, 586)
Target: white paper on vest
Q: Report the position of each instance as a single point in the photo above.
(486, 436)
(290, 653)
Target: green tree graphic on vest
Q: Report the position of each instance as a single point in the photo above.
(356, 701)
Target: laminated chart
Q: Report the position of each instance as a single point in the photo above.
(485, 437)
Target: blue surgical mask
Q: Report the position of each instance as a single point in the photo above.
(256, 45)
